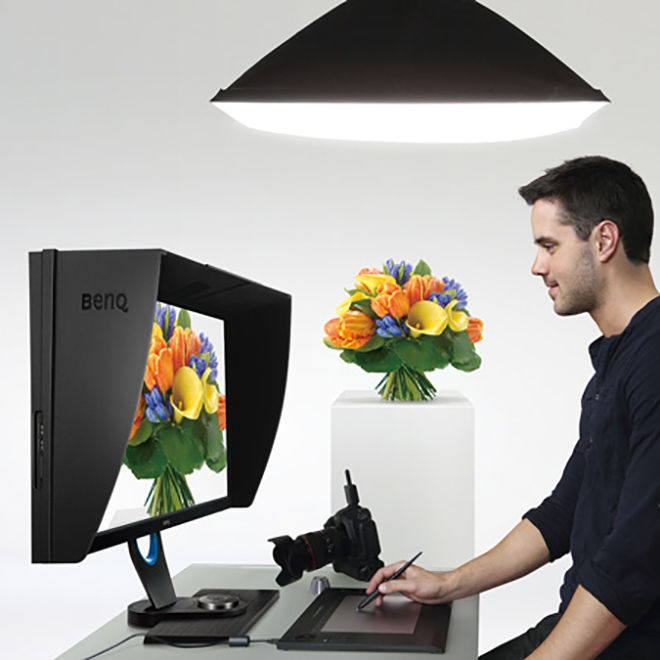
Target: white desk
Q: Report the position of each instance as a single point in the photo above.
(461, 639)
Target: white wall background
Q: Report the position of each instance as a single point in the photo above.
(108, 141)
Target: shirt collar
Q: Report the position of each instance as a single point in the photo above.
(602, 348)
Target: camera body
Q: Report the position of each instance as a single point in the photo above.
(349, 539)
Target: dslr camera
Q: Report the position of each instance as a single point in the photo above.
(349, 540)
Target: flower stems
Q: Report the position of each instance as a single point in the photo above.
(168, 493)
(406, 384)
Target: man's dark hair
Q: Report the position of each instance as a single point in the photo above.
(591, 189)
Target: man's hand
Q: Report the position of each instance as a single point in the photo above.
(418, 584)
(521, 551)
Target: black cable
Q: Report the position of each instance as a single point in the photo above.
(232, 641)
(114, 646)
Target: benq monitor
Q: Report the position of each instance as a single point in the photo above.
(143, 369)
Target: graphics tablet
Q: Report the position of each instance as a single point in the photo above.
(332, 623)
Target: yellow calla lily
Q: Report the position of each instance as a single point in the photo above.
(187, 394)
(371, 281)
(458, 321)
(426, 318)
(346, 304)
(211, 394)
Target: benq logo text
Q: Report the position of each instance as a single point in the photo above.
(104, 302)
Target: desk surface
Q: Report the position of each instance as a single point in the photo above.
(461, 639)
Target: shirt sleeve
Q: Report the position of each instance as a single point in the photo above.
(554, 516)
(624, 575)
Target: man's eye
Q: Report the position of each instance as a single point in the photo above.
(549, 246)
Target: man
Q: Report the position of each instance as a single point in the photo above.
(592, 220)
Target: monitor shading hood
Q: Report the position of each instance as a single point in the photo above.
(91, 321)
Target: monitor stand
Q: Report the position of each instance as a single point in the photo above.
(208, 615)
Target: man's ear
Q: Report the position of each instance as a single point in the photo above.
(606, 239)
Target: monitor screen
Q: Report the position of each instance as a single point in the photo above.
(176, 455)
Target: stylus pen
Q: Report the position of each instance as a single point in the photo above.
(373, 595)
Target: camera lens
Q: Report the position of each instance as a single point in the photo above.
(307, 553)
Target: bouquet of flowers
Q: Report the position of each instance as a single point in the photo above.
(403, 322)
(181, 414)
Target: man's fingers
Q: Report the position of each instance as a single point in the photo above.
(397, 586)
(382, 574)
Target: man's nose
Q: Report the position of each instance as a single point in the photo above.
(539, 266)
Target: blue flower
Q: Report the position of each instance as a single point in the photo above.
(156, 411)
(454, 288)
(165, 317)
(389, 327)
(198, 364)
(207, 347)
(443, 299)
(400, 272)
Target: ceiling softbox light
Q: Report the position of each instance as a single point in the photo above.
(411, 71)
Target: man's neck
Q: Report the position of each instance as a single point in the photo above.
(623, 299)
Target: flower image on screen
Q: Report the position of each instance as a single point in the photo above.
(176, 453)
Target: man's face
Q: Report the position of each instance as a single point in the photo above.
(564, 261)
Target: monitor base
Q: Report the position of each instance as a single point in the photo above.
(207, 616)
(189, 621)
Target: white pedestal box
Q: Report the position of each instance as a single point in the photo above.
(413, 464)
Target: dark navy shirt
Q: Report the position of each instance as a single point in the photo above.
(605, 509)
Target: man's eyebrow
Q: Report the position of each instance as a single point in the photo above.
(541, 240)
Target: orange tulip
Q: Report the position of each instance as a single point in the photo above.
(434, 286)
(420, 287)
(355, 329)
(158, 345)
(160, 370)
(474, 328)
(332, 332)
(395, 304)
(222, 412)
(184, 344)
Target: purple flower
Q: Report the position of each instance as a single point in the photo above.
(165, 317)
(443, 299)
(156, 411)
(198, 364)
(389, 327)
(400, 272)
(454, 289)
(212, 363)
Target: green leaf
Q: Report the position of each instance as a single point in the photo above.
(183, 320)
(193, 430)
(422, 268)
(382, 360)
(219, 464)
(215, 448)
(364, 306)
(420, 354)
(183, 454)
(462, 350)
(473, 364)
(352, 292)
(329, 344)
(142, 434)
(348, 355)
(147, 460)
(375, 342)
(442, 349)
